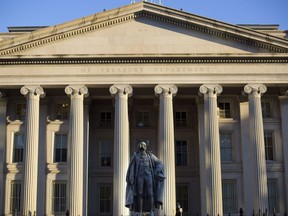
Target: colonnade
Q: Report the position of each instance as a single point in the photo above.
(210, 164)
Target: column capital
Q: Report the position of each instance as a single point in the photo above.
(255, 89)
(76, 91)
(167, 89)
(121, 89)
(33, 91)
(211, 90)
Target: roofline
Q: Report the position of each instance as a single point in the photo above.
(133, 11)
(24, 28)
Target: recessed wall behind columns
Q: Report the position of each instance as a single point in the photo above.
(143, 100)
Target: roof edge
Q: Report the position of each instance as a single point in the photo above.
(132, 11)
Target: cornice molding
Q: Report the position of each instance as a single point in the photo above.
(146, 60)
(238, 35)
(139, 10)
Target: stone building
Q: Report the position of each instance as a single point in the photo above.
(209, 98)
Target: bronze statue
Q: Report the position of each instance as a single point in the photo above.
(145, 181)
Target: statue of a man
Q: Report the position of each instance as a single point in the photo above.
(145, 182)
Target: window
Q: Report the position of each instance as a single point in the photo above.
(272, 195)
(266, 109)
(224, 109)
(268, 141)
(226, 146)
(62, 111)
(105, 197)
(143, 119)
(21, 111)
(18, 147)
(60, 145)
(105, 119)
(105, 153)
(181, 153)
(180, 119)
(58, 196)
(182, 191)
(15, 197)
(229, 196)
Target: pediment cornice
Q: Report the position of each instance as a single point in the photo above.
(136, 11)
(230, 32)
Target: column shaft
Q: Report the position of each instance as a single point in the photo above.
(76, 160)
(3, 105)
(167, 146)
(121, 147)
(86, 156)
(257, 146)
(201, 133)
(284, 120)
(41, 187)
(32, 94)
(212, 150)
(247, 171)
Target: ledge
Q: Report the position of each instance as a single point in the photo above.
(144, 59)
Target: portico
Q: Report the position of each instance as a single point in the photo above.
(209, 99)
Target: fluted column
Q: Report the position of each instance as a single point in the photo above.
(212, 150)
(76, 150)
(166, 147)
(33, 94)
(121, 147)
(3, 106)
(284, 120)
(257, 149)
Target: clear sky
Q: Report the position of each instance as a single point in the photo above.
(53, 12)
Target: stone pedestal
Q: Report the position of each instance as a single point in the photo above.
(257, 150)
(212, 150)
(121, 147)
(166, 145)
(32, 94)
(76, 150)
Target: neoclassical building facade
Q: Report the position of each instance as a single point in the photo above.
(209, 98)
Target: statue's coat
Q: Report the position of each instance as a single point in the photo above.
(157, 168)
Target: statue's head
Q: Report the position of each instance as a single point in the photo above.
(142, 146)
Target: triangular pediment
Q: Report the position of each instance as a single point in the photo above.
(142, 29)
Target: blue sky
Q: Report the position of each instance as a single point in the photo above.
(53, 12)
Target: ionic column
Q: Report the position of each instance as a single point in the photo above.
(284, 121)
(257, 149)
(33, 94)
(3, 106)
(76, 150)
(212, 150)
(121, 147)
(166, 146)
